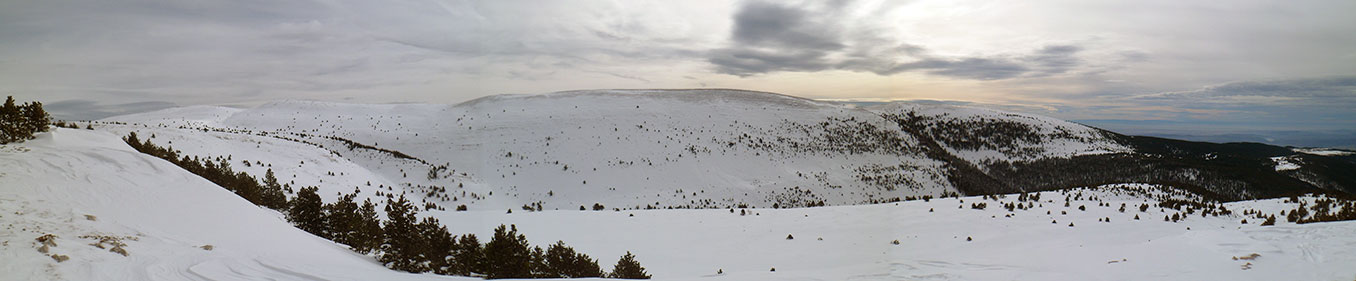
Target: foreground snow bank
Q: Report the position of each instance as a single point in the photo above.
(86, 186)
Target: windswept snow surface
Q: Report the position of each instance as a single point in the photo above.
(51, 183)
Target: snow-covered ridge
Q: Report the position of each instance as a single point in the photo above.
(197, 115)
(694, 96)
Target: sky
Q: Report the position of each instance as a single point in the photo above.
(1250, 70)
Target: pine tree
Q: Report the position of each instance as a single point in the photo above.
(537, 263)
(11, 122)
(438, 244)
(307, 212)
(468, 256)
(133, 141)
(628, 268)
(563, 262)
(19, 122)
(35, 119)
(342, 219)
(507, 254)
(402, 245)
(368, 235)
(272, 193)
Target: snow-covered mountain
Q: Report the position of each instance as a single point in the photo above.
(626, 149)
(93, 194)
(635, 149)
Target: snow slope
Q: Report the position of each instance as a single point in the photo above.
(83, 185)
(166, 215)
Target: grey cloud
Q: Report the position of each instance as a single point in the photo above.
(774, 25)
(970, 68)
(1335, 87)
(771, 37)
(1329, 87)
(774, 37)
(91, 110)
(1056, 59)
(1050, 60)
(749, 61)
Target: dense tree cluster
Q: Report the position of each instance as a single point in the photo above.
(976, 133)
(427, 246)
(19, 122)
(1322, 210)
(344, 221)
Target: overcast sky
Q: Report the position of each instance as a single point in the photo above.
(1192, 66)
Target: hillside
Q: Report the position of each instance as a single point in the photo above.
(86, 186)
(660, 149)
(637, 149)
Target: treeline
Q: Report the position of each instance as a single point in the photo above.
(270, 194)
(1323, 210)
(19, 122)
(401, 242)
(405, 242)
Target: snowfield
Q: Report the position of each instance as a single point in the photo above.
(79, 183)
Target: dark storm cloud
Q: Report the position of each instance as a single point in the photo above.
(774, 37)
(769, 24)
(749, 61)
